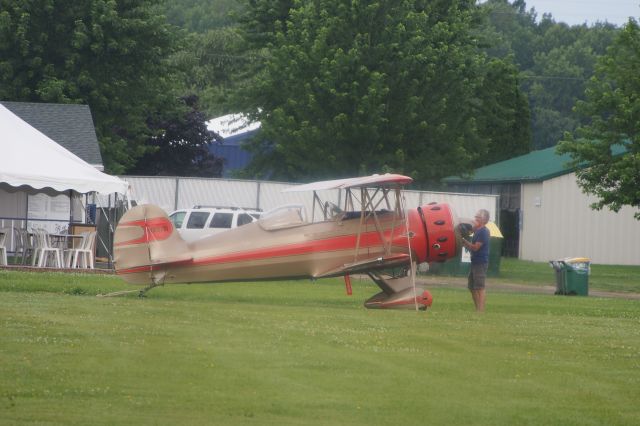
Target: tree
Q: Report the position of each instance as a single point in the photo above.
(109, 54)
(262, 20)
(502, 114)
(181, 145)
(607, 150)
(201, 15)
(555, 61)
(213, 65)
(557, 80)
(360, 87)
(511, 31)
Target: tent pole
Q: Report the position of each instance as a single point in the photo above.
(70, 209)
(26, 211)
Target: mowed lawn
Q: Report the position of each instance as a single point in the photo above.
(304, 353)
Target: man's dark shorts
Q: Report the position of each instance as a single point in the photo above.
(477, 275)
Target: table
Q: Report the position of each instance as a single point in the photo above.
(65, 241)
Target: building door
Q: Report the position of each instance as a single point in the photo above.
(510, 227)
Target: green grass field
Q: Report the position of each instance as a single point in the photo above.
(294, 353)
(602, 277)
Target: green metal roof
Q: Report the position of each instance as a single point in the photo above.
(534, 166)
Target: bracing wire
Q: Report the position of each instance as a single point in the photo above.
(412, 271)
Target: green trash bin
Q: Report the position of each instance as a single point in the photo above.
(577, 271)
(495, 255)
(572, 275)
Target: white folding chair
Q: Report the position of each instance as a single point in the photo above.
(84, 256)
(36, 246)
(44, 251)
(4, 233)
(71, 254)
(21, 247)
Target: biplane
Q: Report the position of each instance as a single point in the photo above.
(370, 233)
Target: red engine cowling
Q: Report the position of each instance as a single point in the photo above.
(438, 225)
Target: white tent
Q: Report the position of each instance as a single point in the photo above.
(30, 158)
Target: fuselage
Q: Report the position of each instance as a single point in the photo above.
(279, 247)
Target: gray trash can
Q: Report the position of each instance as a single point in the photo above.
(559, 268)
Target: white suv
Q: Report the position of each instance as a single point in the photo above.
(200, 221)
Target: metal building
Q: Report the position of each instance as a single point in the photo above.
(548, 215)
(173, 193)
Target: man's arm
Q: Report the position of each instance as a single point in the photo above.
(478, 244)
(472, 246)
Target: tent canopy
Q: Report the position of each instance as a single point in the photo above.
(31, 158)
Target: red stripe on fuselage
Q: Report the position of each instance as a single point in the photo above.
(345, 242)
(136, 270)
(367, 240)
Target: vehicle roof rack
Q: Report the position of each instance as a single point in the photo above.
(201, 206)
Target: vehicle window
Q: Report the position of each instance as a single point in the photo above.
(244, 218)
(197, 220)
(177, 218)
(221, 220)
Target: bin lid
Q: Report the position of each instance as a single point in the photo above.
(577, 260)
(578, 263)
(494, 231)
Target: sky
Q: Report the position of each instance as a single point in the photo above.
(575, 12)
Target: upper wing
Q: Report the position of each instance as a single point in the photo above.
(365, 181)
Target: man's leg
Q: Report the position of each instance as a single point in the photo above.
(477, 276)
(480, 277)
(481, 298)
(470, 286)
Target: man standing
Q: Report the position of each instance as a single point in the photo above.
(479, 248)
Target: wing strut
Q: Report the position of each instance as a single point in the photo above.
(347, 283)
(368, 201)
(401, 201)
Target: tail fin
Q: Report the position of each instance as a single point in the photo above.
(145, 243)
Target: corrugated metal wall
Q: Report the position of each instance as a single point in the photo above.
(465, 205)
(563, 225)
(160, 191)
(180, 193)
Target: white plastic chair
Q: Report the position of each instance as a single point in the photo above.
(36, 246)
(29, 242)
(22, 247)
(71, 254)
(83, 256)
(4, 233)
(44, 252)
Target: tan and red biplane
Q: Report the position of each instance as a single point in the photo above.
(370, 234)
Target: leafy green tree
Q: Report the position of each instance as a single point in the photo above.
(354, 87)
(557, 79)
(262, 20)
(510, 30)
(201, 16)
(213, 64)
(503, 114)
(607, 149)
(555, 61)
(181, 145)
(110, 54)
